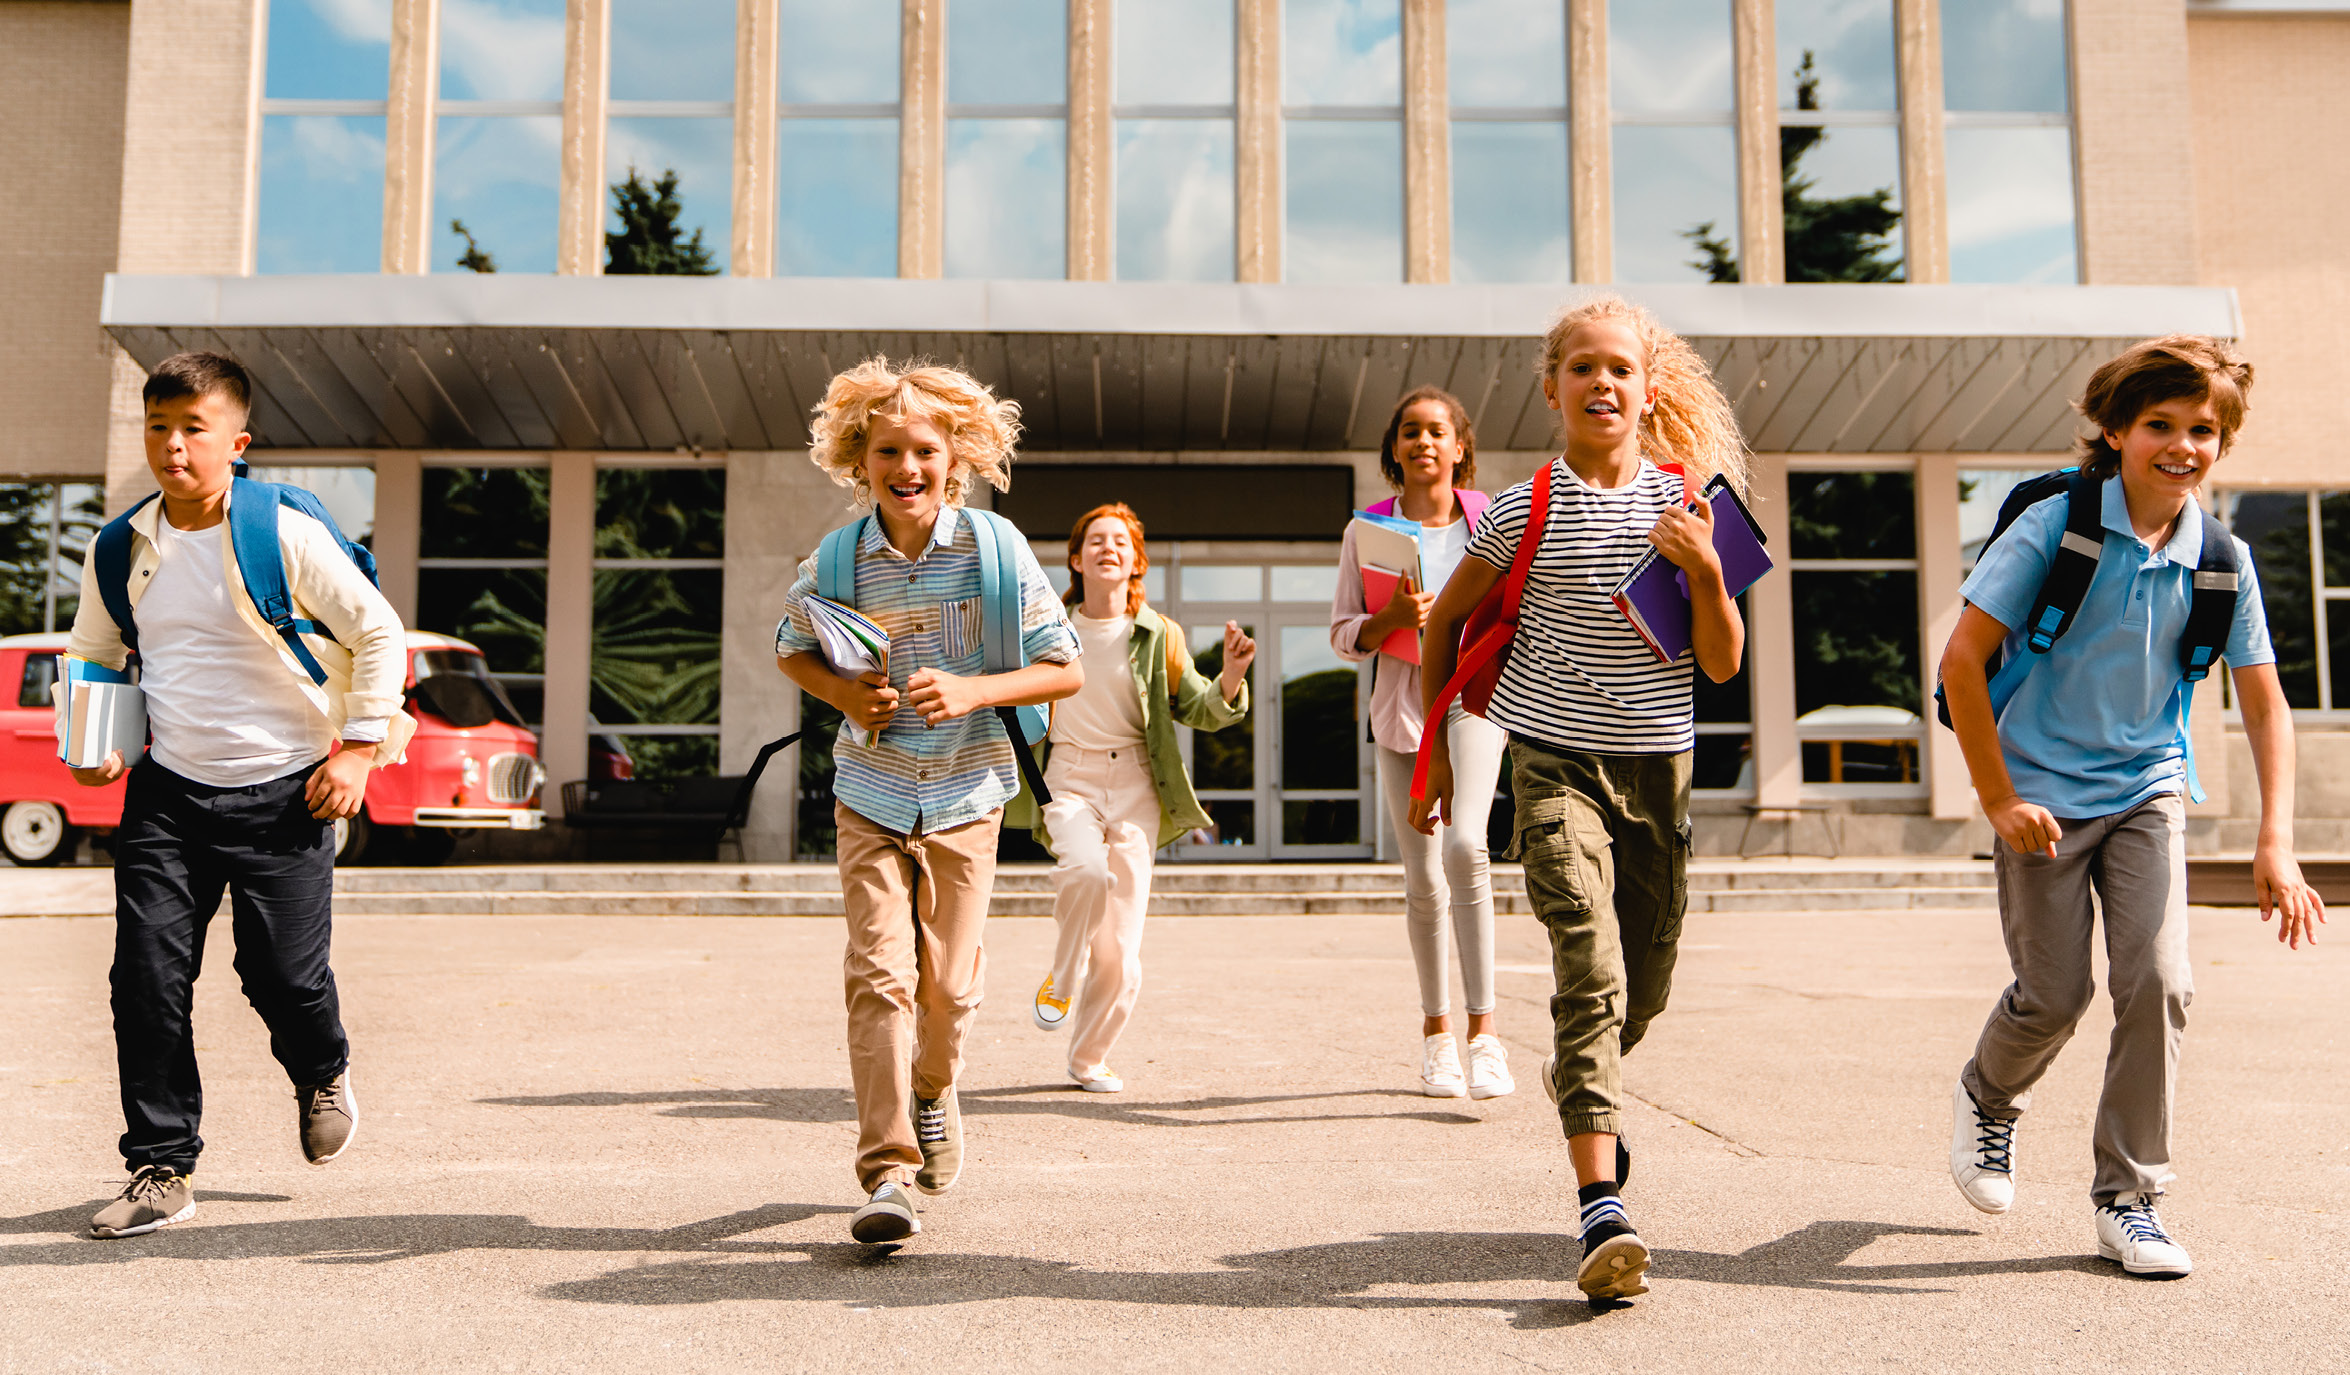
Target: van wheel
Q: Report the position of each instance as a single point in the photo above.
(353, 837)
(430, 845)
(35, 834)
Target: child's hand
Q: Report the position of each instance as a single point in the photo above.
(1687, 538)
(1406, 610)
(868, 701)
(1437, 805)
(941, 696)
(338, 786)
(102, 775)
(1239, 652)
(2027, 829)
(2277, 882)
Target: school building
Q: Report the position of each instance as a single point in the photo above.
(540, 292)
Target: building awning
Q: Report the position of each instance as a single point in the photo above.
(514, 362)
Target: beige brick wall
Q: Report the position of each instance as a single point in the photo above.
(2133, 128)
(2272, 193)
(61, 103)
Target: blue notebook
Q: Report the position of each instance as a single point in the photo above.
(1654, 596)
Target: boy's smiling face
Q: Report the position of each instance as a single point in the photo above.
(1600, 387)
(907, 460)
(2168, 449)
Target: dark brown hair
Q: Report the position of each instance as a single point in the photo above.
(1464, 473)
(1142, 558)
(2177, 367)
(201, 374)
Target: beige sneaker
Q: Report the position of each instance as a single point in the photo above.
(938, 1130)
(887, 1216)
(328, 1116)
(157, 1196)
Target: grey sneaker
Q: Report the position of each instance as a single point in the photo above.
(938, 1130)
(329, 1118)
(888, 1216)
(157, 1196)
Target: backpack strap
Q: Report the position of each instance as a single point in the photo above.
(1000, 638)
(2211, 612)
(2073, 567)
(1474, 656)
(836, 563)
(261, 563)
(110, 562)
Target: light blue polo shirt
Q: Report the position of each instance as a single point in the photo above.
(2092, 727)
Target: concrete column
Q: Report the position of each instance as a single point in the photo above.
(1951, 791)
(399, 527)
(408, 135)
(1762, 233)
(1257, 140)
(922, 139)
(2131, 127)
(1092, 210)
(1925, 212)
(758, 28)
(1591, 142)
(1427, 145)
(191, 135)
(587, 83)
(571, 586)
(1778, 759)
(778, 506)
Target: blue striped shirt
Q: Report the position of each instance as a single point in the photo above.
(914, 778)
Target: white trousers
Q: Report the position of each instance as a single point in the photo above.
(1477, 746)
(1104, 821)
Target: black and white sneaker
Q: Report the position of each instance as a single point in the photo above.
(2130, 1231)
(1982, 1153)
(1614, 1257)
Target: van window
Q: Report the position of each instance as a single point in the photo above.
(40, 670)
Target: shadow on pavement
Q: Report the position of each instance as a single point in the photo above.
(1062, 1100)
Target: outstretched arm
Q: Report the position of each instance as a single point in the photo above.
(2026, 827)
(2276, 875)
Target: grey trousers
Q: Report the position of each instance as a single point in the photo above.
(1457, 849)
(2136, 864)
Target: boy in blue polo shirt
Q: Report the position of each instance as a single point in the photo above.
(2080, 756)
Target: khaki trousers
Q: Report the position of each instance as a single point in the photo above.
(915, 905)
(2136, 864)
(1605, 840)
(1104, 821)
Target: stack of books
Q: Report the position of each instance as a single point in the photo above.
(99, 711)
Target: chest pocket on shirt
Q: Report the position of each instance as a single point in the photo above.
(958, 624)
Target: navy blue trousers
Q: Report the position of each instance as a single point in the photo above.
(181, 844)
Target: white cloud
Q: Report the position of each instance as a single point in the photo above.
(359, 21)
(1342, 52)
(502, 49)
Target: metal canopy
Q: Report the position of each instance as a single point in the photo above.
(511, 362)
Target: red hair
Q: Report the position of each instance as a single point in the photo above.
(1142, 560)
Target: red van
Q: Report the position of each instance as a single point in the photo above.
(473, 764)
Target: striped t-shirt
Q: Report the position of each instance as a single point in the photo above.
(915, 779)
(1578, 675)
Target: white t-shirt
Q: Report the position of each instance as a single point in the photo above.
(1579, 676)
(223, 708)
(1105, 714)
(1441, 547)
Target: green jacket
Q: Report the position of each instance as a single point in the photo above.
(1197, 702)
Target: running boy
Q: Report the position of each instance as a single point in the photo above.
(1600, 732)
(238, 789)
(2079, 756)
(919, 808)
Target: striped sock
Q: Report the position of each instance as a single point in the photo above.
(1603, 1212)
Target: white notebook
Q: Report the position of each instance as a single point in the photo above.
(99, 711)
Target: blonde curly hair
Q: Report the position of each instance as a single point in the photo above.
(1692, 423)
(981, 430)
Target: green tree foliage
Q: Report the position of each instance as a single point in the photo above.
(1856, 640)
(649, 241)
(1828, 238)
(26, 561)
(475, 258)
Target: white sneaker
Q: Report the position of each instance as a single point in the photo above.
(1489, 1068)
(2129, 1230)
(1098, 1079)
(1440, 1068)
(1982, 1153)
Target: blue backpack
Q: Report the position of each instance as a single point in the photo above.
(999, 616)
(252, 532)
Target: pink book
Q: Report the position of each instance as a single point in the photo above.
(1378, 589)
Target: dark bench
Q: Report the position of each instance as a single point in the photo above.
(715, 806)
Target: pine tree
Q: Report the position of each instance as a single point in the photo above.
(1828, 239)
(474, 258)
(649, 242)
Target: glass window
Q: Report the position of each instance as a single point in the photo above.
(700, 152)
(1845, 46)
(1007, 138)
(45, 529)
(1342, 82)
(837, 182)
(1724, 758)
(500, 178)
(502, 50)
(482, 570)
(1308, 583)
(1839, 144)
(1853, 541)
(1342, 52)
(2004, 55)
(321, 199)
(1174, 140)
(1506, 53)
(1981, 491)
(840, 52)
(1507, 83)
(2277, 527)
(2011, 204)
(1320, 731)
(1208, 582)
(673, 50)
(347, 493)
(653, 662)
(1675, 148)
(1224, 762)
(328, 50)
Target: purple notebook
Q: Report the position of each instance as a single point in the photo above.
(1654, 596)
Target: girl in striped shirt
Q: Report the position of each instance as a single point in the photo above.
(1600, 732)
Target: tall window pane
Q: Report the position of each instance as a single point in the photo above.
(1839, 144)
(2276, 525)
(1507, 77)
(1342, 52)
(328, 50)
(321, 203)
(2011, 205)
(1173, 102)
(2004, 55)
(482, 570)
(1669, 57)
(45, 530)
(1345, 202)
(1857, 685)
(699, 151)
(837, 173)
(1675, 148)
(653, 664)
(673, 49)
(840, 52)
(1007, 52)
(502, 50)
(1506, 53)
(1007, 138)
(1174, 52)
(500, 176)
(1844, 46)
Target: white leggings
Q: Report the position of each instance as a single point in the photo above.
(1476, 767)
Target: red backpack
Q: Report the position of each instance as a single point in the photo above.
(1485, 640)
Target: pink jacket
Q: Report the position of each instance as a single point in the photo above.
(1395, 693)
